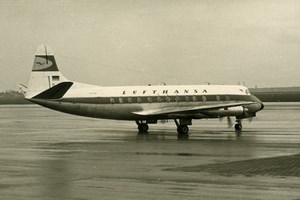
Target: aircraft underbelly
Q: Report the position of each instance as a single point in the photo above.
(106, 111)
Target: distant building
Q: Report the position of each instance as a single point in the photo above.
(280, 94)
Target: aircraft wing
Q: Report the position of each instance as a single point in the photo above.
(182, 110)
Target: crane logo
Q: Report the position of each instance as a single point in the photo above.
(41, 64)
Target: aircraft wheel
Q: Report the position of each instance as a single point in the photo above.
(183, 132)
(238, 127)
(143, 128)
(182, 129)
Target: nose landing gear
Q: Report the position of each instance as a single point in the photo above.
(238, 126)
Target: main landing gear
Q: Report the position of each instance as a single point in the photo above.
(182, 128)
(142, 126)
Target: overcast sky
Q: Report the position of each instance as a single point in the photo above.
(136, 42)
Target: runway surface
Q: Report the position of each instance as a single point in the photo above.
(45, 154)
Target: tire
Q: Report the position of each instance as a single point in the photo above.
(183, 129)
(238, 127)
(143, 128)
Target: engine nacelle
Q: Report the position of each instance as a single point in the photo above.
(252, 108)
(222, 112)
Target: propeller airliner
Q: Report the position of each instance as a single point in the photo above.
(142, 104)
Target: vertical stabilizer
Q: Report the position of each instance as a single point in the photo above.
(45, 73)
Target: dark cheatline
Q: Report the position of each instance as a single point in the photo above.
(274, 166)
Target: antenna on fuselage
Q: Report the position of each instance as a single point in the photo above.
(46, 53)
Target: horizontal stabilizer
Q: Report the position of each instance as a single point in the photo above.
(56, 92)
(23, 88)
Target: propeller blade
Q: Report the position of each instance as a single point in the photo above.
(229, 122)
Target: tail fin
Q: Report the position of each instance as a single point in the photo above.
(45, 73)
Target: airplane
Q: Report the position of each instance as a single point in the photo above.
(142, 104)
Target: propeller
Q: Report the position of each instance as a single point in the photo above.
(229, 121)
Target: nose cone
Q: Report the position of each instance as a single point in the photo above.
(262, 106)
(255, 99)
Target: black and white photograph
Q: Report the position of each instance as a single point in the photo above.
(149, 99)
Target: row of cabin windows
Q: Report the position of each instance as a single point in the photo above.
(164, 99)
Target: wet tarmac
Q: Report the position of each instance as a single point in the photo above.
(45, 154)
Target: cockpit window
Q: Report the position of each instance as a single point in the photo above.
(246, 91)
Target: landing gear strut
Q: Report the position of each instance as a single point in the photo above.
(182, 128)
(238, 127)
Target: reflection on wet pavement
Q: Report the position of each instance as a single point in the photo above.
(48, 155)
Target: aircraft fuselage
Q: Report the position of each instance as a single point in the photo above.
(122, 103)
(143, 104)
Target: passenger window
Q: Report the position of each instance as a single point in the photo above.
(177, 99)
(187, 98)
(139, 99)
(194, 98)
(168, 99)
(159, 99)
(204, 98)
(129, 100)
(218, 97)
(227, 98)
(149, 99)
(121, 100)
(112, 100)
